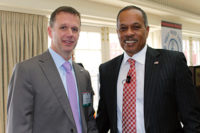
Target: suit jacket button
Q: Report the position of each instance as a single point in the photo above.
(72, 130)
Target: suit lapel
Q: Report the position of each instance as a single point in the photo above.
(115, 72)
(50, 71)
(151, 70)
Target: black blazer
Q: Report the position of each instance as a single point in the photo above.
(169, 94)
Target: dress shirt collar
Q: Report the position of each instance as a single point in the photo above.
(59, 60)
(138, 57)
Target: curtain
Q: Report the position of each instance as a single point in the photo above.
(22, 36)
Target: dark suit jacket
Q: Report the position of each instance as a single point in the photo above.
(169, 94)
(37, 101)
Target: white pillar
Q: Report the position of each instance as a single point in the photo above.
(105, 45)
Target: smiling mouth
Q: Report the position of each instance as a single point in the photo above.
(68, 42)
(129, 42)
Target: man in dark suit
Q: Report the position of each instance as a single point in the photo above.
(165, 97)
(40, 92)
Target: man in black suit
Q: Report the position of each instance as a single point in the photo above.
(166, 100)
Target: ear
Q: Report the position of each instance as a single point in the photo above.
(117, 30)
(147, 29)
(50, 32)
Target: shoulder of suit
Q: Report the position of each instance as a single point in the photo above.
(34, 59)
(113, 61)
(80, 67)
(165, 51)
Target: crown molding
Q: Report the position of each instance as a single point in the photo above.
(164, 10)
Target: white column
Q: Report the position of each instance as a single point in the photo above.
(156, 39)
(190, 51)
(105, 45)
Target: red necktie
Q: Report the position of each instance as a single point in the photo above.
(129, 100)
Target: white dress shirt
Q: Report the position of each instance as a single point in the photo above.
(140, 68)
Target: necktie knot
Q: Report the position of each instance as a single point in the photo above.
(67, 66)
(132, 62)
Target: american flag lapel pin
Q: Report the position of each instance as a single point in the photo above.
(156, 62)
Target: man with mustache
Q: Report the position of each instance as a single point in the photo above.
(50, 93)
(145, 90)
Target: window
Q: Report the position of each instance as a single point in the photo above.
(88, 52)
(115, 48)
(186, 50)
(195, 52)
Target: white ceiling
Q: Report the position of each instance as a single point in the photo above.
(190, 6)
(188, 10)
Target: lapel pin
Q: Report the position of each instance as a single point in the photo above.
(156, 62)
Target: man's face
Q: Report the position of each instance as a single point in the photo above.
(131, 31)
(64, 34)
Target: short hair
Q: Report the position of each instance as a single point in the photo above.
(137, 8)
(66, 9)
